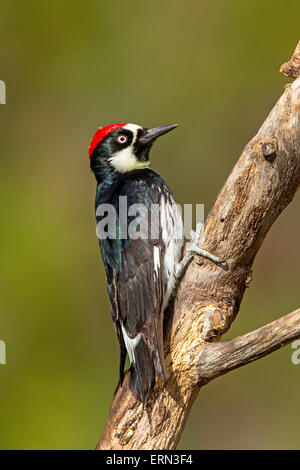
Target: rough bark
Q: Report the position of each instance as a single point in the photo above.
(292, 67)
(262, 183)
(222, 357)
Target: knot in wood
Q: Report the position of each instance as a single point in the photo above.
(269, 149)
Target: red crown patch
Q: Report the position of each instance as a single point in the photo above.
(101, 133)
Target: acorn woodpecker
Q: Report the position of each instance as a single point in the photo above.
(140, 231)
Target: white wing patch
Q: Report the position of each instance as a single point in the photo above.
(130, 344)
(172, 236)
(156, 256)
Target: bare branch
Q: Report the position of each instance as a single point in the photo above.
(222, 357)
(260, 186)
(292, 67)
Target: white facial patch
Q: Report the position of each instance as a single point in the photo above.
(133, 128)
(125, 160)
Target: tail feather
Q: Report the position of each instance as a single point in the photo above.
(142, 371)
(146, 356)
(122, 356)
(159, 358)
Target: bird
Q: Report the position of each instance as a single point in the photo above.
(141, 239)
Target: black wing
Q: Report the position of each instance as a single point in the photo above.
(138, 298)
(135, 285)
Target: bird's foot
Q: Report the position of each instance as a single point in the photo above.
(194, 252)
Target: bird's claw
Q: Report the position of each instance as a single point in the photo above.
(198, 260)
(198, 252)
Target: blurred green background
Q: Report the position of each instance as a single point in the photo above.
(70, 67)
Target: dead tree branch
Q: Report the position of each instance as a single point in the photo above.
(260, 186)
(222, 357)
(292, 67)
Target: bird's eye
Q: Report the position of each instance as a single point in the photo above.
(122, 139)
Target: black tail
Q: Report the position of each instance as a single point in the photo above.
(122, 356)
(142, 371)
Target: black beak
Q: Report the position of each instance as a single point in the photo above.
(149, 135)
